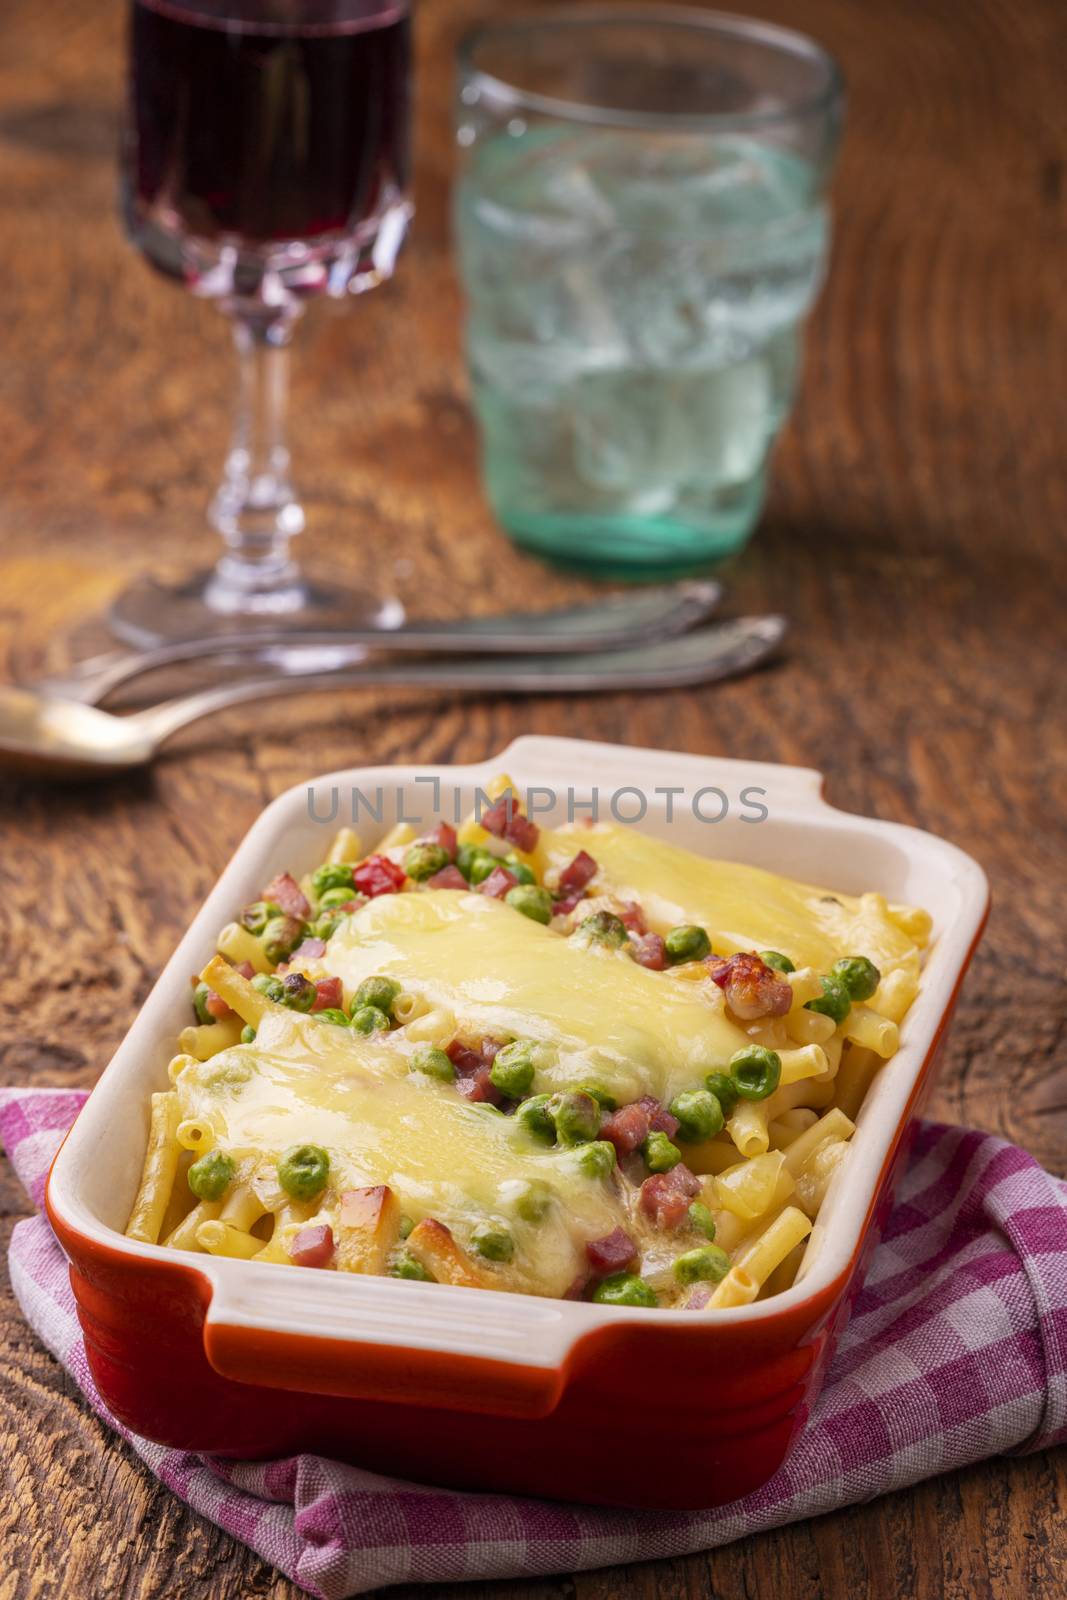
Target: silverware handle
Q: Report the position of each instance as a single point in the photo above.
(615, 622)
(714, 653)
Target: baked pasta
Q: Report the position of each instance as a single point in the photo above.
(575, 1062)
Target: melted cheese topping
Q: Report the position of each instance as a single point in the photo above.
(600, 1016)
(307, 1082)
(742, 907)
(597, 1015)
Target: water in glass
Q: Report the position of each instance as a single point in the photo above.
(635, 301)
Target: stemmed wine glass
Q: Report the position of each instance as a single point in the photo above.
(265, 162)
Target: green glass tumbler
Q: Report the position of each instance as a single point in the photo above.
(642, 229)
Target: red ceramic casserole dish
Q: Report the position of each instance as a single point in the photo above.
(487, 1390)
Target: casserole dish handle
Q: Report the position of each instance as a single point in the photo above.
(378, 1339)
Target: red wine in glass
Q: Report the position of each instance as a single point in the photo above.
(265, 162)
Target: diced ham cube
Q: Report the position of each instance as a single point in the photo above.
(443, 834)
(563, 908)
(478, 1086)
(626, 1128)
(649, 950)
(496, 819)
(470, 1062)
(613, 1253)
(312, 1246)
(577, 873)
(522, 833)
(577, 1288)
(378, 875)
(685, 1180)
(245, 969)
(505, 821)
(308, 950)
(659, 1119)
(499, 881)
(449, 877)
(699, 1296)
(752, 988)
(287, 893)
(216, 1006)
(633, 918)
(664, 1204)
(665, 1196)
(329, 995)
(463, 1057)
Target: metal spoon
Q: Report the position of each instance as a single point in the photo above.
(616, 622)
(65, 739)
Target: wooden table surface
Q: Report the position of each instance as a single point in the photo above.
(915, 537)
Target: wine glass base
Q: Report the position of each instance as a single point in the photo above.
(151, 613)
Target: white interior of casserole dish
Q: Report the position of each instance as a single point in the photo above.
(802, 837)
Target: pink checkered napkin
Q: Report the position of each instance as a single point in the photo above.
(957, 1349)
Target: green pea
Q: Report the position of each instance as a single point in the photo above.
(624, 1289)
(464, 856)
(701, 1219)
(834, 1002)
(405, 1226)
(596, 1160)
(367, 1020)
(602, 1096)
(404, 1265)
(604, 929)
(256, 916)
(332, 875)
(776, 961)
(533, 901)
(303, 1170)
(336, 897)
(211, 1176)
(723, 1087)
(281, 937)
(534, 1202)
(859, 976)
(707, 1264)
(248, 1034)
(576, 1116)
(332, 1014)
(298, 992)
(519, 869)
(534, 1116)
(269, 986)
(424, 859)
(756, 1071)
(492, 1241)
(429, 1059)
(325, 926)
(480, 863)
(687, 943)
(659, 1153)
(699, 1114)
(378, 991)
(200, 994)
(513, 1069)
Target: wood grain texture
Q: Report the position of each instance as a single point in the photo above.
(915, 536)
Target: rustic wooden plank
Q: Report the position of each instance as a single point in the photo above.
(914, 536)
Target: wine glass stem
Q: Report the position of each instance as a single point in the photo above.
(255, 508)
